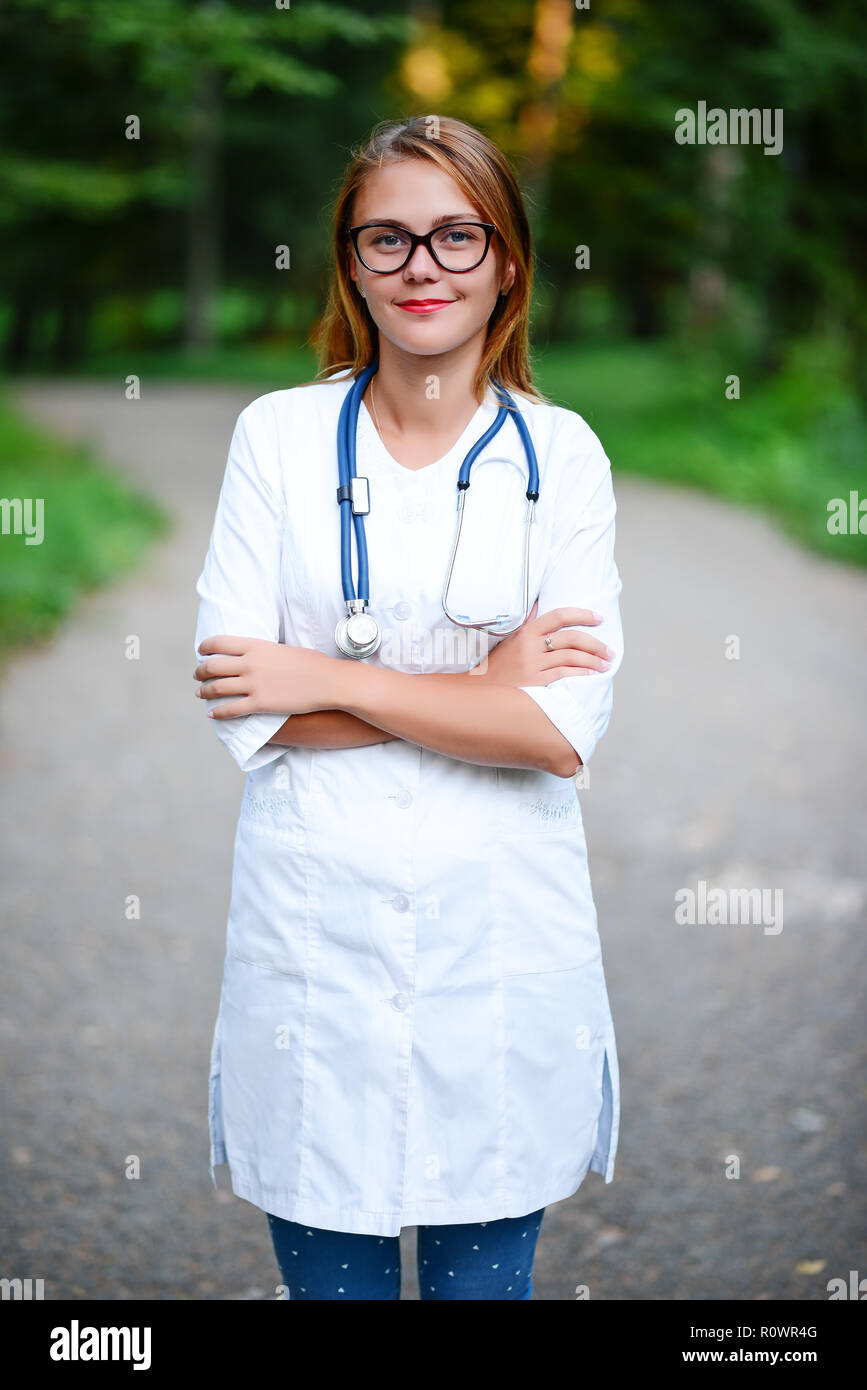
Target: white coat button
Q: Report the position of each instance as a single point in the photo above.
(403, 799)
(402, 610)
(407, 512)
(400, 903)
(399, 1002)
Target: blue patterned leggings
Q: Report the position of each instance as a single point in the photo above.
(484, 1260)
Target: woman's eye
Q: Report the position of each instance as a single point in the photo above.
(389, 240)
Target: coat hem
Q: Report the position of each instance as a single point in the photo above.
(360, 1222)
(353, 1221)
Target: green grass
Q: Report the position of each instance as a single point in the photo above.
(96, 527)
(270, 367)
(787, 446)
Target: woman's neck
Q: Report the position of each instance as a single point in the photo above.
(424, 397)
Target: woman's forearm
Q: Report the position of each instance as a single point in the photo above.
(329, 728)
(464, 716)
(332, 728)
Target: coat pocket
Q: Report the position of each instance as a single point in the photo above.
(276, 795)
(544, 911)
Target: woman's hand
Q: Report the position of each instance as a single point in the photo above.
(523, 657)
(265, 677)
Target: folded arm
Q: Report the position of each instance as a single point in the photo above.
(328, 728)
(461, 715)
(446, 732)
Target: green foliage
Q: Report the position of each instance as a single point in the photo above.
(85, 210)
(268, 367)
(96, 527)
(247, 113)
(788, 445)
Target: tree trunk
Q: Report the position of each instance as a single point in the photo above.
(641, 296)
(16, 349)
(708, 282)
(537, 121)
(204, 213)
(69, 340)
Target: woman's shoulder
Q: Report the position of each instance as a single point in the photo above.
(310, 404)
(566, 437)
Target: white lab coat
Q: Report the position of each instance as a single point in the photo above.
(414, 1026)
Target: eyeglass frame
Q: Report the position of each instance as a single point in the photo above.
(425, 241)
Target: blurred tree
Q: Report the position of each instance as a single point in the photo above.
(79, 187)
(538, 117)
(587, 111)
(247, 110)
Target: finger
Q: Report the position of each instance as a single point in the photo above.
(217, 666)
(571, 639)
(233, 710)
(555, 673)
(226, 685)
(228, 646)
(580, 658)
(567, 617)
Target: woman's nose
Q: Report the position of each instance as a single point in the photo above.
(424, 266)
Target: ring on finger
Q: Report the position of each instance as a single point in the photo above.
(548, 643)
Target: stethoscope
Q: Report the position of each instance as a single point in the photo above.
(359, 634)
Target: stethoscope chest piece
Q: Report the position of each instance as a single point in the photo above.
(358, 635)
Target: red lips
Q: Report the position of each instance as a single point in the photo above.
(424, 306)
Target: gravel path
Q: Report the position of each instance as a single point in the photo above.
(733, 1040)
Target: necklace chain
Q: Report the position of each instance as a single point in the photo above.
(375, 412)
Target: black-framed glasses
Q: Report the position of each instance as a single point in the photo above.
(455, 246)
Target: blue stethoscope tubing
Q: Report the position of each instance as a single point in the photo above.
(353, 509)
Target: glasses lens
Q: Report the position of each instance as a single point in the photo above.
(457, 246)
(383, 248)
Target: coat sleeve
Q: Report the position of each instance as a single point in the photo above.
(239, 586)
(581, 573)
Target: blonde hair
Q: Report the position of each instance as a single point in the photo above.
(345, 336)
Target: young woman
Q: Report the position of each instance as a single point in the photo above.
(414, 1027)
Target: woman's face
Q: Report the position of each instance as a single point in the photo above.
(414, 193)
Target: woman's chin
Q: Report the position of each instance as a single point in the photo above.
(424, 340)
